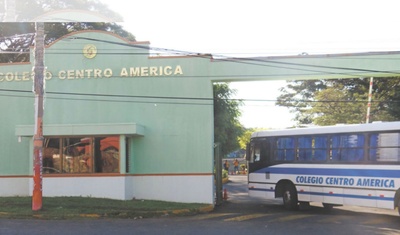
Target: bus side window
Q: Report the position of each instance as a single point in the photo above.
(284, 149)
(387, 146)
(305, 148)
(373, 144)
(336, 147)
(358, 148)
(321, 146)
(348, 148)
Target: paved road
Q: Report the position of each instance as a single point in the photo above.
(238, 215)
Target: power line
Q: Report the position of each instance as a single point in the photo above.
(244, 60)
(259, 61)
(91, 95)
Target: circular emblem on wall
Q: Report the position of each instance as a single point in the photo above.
(89, 51)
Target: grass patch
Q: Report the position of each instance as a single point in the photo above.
(89, 208)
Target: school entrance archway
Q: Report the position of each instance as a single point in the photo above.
(157, 110)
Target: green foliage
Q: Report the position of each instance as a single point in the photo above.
(225, 174)
(28, 10)
(328, 102)
(19, 46)
(246, 136)
(336, 106)
(227, 127)
(294, 95)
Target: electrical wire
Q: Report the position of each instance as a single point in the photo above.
(245, 60)
(258, 61)
(91, 98)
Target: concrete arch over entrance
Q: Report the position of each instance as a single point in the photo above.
(377, 64)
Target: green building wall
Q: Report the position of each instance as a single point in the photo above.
(177, 130)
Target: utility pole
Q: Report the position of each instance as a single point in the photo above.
(38, 89)
(218, 173)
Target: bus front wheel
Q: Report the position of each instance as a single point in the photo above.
(290, 197)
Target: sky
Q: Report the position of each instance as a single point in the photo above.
(263, 28)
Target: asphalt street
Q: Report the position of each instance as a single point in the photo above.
(237, 215)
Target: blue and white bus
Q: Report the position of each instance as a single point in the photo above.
(335, 165)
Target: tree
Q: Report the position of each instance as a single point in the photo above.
(334, 105)
(394, 109)
(16, 37)
(28, 9)
(328, 102)
(387, 90)
(227, 127)
(246, 136)
(296, 93)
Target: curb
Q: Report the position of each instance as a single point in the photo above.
(204, 209)
(207, 209)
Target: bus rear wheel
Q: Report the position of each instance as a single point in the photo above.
(290, 201)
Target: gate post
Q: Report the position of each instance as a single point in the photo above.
(218, 173)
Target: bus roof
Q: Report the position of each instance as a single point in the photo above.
(348, 128)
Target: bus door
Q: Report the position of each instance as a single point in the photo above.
(258, 156)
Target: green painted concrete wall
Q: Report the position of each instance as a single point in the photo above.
(177, 131)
